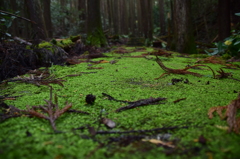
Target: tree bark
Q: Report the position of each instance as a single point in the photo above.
(82, 16)
(14, 27)
(162, 17)
(110, 17)
(47, 18)
(147, 19)
(116, 16)
(95, 35)
(183, 39)
(38, 29)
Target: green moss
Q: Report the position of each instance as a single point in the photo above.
(129, 79)
(226, 56)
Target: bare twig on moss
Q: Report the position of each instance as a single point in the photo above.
(180, 71)
(51, 110)
(141, 102)
(37, 80)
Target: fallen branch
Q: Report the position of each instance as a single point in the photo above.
(180, 71)
(141, 102)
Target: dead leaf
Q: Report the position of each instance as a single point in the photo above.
(222, 127)
(218, 109)
(230, 114)
(155, 141)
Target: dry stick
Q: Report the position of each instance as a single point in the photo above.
(141, 103)
(180, 71)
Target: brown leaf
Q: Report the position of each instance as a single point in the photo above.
(218, 109)
(231, 114)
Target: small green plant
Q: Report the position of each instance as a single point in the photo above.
(230, 46)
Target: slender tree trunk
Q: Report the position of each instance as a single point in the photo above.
(63, 25)
(109, 6)
(82, 16)
(147, 19)
(131, 17)
(139, 15)
(183, 39)
(94, 30)
(47, 18)
(116, 16)
(162, 17)
(38, 29)
(224, 19)
(14, 27)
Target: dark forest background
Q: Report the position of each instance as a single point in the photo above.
(209, 20)
(185, 26)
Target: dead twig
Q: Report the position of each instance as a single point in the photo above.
(180, 71)
(51, 110)
(141, 102)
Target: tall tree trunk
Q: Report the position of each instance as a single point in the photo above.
(183, 39)
(132, 17)
(47, 18)
(123, 17)
(38, 29)
(95, 33)
(82, 16)
(63, 25)
(147, 19)
(110, 17)
(116, 16)
(223, 19)
(14, 27)
(162, 17)
(139, 19)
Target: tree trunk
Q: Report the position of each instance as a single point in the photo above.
(14, 27)
(82, 16)
(116, 17)
(47, 18)
(109, 5)
(223, 19)
(131, 17)
(147, 19)
(95, 35)
(38, 29)
(162, 17)
(183, 39)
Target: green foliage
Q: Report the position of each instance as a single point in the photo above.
(68, 16)
(5, 23)
(237, 14)
(230, 46)
(96, 38)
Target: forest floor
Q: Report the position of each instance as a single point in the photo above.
(166, 118)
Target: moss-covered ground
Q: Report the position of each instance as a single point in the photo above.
(129, 79)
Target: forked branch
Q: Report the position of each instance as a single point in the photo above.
(180, 71)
